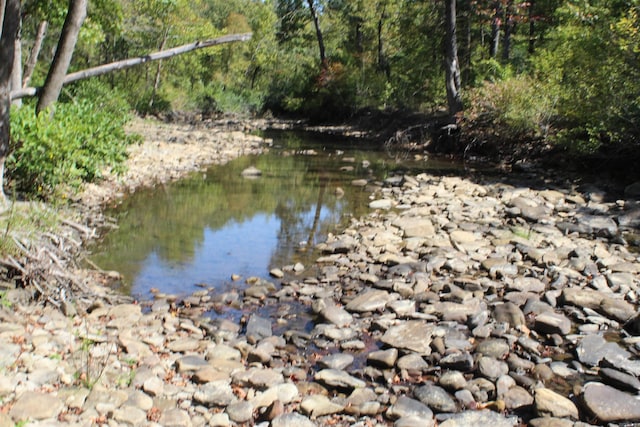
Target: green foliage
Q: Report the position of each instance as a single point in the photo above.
(50, 156)
(152, 103)
(519, 106)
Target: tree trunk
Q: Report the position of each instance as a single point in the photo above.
(316, 23)
(30, 65)
(452, 67)
(532, 34)
(495, 30)
(156, 81)
(128, 63)
(383, 63)
(55, 78)
(508, 29)
(16, 69)
(10, 14)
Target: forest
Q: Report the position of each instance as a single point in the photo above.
(550, 72)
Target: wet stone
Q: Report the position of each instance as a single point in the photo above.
(258, 328)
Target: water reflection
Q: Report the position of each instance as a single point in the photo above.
(203, 229)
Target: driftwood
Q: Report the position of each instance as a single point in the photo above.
(49, 267)
(131, 62)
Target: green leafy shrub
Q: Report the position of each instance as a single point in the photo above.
(151, 104)
(519, 105)
(50, 155)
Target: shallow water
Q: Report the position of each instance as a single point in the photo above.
(203, 229)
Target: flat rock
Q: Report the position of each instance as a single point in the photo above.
(371, 300)
(318, 405)
(594, 348)
(548, 402)
(609, 404)
(481, 418)
(174, 417)
(407, 407)
(552, 323)
(36, 406)
(436, 398)
(338, 379)
(415, 226)
(337, 361)
(292, 419)
(218, 393)
(414, 335)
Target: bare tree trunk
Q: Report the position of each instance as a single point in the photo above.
(383, 63)
(10, 25)
(16, 69)
(156, 81)
(55, 78)
(30, 65)
(532, 33)
(316, 23)
(128, 63)
(508, 29)
(452, 67)
(496, 22)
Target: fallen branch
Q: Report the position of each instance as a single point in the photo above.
(131, 62)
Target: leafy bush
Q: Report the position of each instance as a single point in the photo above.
(151, 104)
(55, 155)
(520, 106)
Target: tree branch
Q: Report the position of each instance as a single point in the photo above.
(131, 62)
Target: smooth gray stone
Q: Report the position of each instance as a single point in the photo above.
(492, 368)
(609, 404)
(620, 380)
(383, 358)
(482, 418)
(292, 419)
(338, 379)
(407, 407)
(517, 397)
(258, 328)
(460, 361)
(337, 361)
(36, 406)
(552, 323)
(414, 335)
(497, 348)
(548, 402)
(436, 398)
(509, 313)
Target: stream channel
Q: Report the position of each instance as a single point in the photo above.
(202, 230)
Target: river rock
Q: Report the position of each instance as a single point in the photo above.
(371, 300)
(240, 412)
(218, 393)
(479, 418)
(509, 313)
(338, 379)
(251, 172)
(436, 398)
(338, 361)
(492, 368)
(35, 406)
(609, 404)
(258, 328)
(407, 407)
(331, 312)
(292, 420)
(620, 380)
(548, 402)
(383, 358)
(318, 405)
(414, 335)
(552, 323)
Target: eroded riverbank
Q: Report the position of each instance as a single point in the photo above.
(457, 301)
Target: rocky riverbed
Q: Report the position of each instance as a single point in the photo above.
(458, 301)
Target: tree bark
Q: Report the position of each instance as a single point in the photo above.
(128, 63)
(62, 59)
(16, 69)
(10, 14)
(30, 65)
(495, 30)
(156, 81)
(316, 23)
(452, 67)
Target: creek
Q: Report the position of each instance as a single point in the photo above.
(204, 229)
